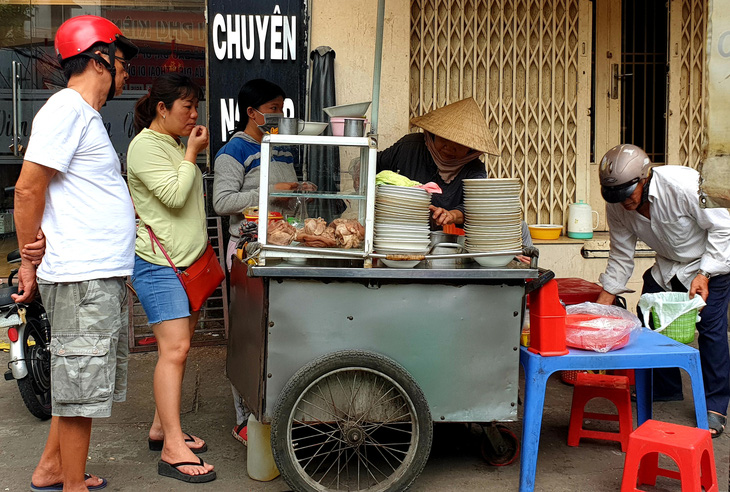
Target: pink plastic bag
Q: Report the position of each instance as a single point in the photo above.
(597, 327)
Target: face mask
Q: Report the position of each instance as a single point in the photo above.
(271, 120)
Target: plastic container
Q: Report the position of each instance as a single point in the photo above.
(547, 321)
(580, 336)
(681, 329)
(338, 125)
(259, 458)
(581, 223)
(573, 290)
(545, 231)
(254, 217)
(452, 229)
(576, 290)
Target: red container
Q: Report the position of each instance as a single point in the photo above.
(576, 290)
(585, 337)
(573, 290)
(547, 321)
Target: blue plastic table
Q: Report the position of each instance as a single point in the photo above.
(646, 351)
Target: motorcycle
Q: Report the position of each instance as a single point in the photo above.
(29, 332)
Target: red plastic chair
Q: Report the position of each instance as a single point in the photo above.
(689, 447)
(614, 389)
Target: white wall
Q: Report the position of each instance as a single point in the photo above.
(348, 27)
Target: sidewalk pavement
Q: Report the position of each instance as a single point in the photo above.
(119, 450)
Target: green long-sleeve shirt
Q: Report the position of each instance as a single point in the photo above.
(167, 192)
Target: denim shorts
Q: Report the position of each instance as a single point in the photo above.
(89, 349)
(160, 292)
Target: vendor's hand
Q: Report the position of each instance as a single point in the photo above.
(198, 139)
(523, 259)
(33, 252)
(26, 284)
(307, 186)
(286, 186)
(700, 285)
(605, 298)
(444, 217)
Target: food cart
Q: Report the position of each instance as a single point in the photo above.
(352, 362)
(352, 365)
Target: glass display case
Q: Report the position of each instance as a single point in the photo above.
(360, 201)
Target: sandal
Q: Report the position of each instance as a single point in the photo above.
(716, 422)
(171, 470)
(58, 487)
(157, 444)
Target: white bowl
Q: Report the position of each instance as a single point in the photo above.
(400, 264)
(311, 127)
(356, 110)
(493, 261)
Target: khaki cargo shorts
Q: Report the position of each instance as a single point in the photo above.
(89, 349)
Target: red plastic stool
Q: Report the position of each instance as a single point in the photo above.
(689, 447)
(626, 372)
(614, 389)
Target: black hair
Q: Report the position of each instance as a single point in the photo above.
(167, 88)
(253, 94)
(77, 63)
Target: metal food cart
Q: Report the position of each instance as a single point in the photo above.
(352, 365)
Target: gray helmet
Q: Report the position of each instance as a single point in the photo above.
(620, 171)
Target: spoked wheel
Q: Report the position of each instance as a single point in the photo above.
(351, 421)
(35, 388)
(500, 446)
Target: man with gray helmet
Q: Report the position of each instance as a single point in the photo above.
(660, 206)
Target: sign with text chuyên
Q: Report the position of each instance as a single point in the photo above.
(251, 39)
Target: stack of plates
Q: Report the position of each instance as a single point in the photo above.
(401, 223)
(492, 218)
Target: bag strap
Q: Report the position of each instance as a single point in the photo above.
(153, 239)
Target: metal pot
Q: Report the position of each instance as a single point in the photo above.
(441, 237)
(446, 249)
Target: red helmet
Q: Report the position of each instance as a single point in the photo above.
(78, 34)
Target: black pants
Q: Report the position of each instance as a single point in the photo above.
(712, 341)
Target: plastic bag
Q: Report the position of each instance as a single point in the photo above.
(393, 178)
(668, 306)
(597, 327)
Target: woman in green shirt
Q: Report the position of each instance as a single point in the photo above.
(167, 190)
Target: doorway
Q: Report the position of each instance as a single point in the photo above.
(630, 76)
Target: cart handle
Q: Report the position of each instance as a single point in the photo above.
(544, 277)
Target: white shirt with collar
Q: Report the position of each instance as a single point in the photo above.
(685, 237)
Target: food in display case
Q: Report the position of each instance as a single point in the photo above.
(280, 233)
(316, 233)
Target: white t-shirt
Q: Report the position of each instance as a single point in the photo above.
(89, 218)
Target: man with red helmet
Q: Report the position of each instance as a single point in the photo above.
(661, 206)
(71, 186)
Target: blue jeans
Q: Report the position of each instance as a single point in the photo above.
(712, 341)
(159, 291)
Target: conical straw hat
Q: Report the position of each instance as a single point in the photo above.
(461, 122)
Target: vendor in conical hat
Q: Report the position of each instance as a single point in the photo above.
(446, 152)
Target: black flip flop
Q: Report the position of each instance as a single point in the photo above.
(716, 422)
(58, 487)
(157, 444)
(170, 470)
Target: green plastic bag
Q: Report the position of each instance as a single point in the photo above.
(393, 178)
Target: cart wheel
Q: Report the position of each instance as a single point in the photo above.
(500, 446)
(351, 420)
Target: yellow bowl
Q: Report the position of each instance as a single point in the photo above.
(545, 231)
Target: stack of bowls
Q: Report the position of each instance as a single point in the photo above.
(493, 217)
(401, 223)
